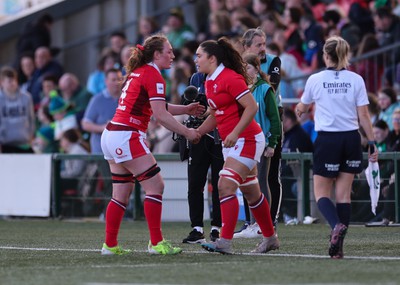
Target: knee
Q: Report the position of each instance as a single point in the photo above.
(252, 195)
(226, 187)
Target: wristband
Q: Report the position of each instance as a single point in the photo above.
(371, 142)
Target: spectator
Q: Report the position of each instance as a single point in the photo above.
(45, 64)
(64, 117)
(220, 24)
(49, 84)
(289, 68)
(384, 144)
(176, 30)
(99, 112)
(74, 94)
(270, 24)
(180, 76)
(147, 27)
(308, 124)
(371, 69)
(295, 140)
(387, 26)
(313, 41)
(44, 141)
(44, 117)
(294, 41)
(242, 20)
(373, 107)
(101, 109)
(96, 81)
(261, 7)
(387, 99)
(125, 55)
(203, 10)
(25, 70)
(189, 49)
(72, 169)
(237, 43)
(117, 41)
(388, 191)
(361, 15)
(17, 119)
(35, 34)
(71, 143)
(332, 21)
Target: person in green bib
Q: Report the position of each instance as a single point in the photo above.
(269, 120)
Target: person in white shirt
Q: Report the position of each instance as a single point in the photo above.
(341, 104)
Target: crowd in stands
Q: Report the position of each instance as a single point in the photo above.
(40, 101)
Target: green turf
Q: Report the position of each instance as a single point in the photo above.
(76, 259)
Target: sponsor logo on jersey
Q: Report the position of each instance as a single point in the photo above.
(135, 74)
(118, 151)
(160, 88)
(134, 121)
(215, 88)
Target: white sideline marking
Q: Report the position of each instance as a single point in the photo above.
(91, 283)
(205, 252)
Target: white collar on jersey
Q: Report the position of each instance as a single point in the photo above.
(155, 66)
(216, 72)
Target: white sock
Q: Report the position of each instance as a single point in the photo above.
(214, 228)
(199, 229)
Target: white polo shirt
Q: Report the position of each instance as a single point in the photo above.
(336, 94)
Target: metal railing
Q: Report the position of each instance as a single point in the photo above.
(305, 179)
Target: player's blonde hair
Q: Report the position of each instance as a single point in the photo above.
(338, 51)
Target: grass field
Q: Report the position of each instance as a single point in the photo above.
(68, 252)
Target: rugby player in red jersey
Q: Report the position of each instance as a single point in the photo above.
(232, 111)
(124, 141)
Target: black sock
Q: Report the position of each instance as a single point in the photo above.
(328, 210)
(344, 212)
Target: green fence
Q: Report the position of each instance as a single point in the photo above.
(88, 181)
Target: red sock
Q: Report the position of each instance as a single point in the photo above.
(114, 214)
(229, 215)
(152, 211)
(261, 213)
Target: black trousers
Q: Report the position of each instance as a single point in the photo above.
(274, 181)
(201, 156)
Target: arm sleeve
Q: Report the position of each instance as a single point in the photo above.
(272, 114)
(307, 97)
(155, 86)
(237, 87)
(361, 93)
(91, 112)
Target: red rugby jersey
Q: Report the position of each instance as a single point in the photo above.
(143, 85)
(223, 88)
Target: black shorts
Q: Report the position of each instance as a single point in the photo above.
(336, 152)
